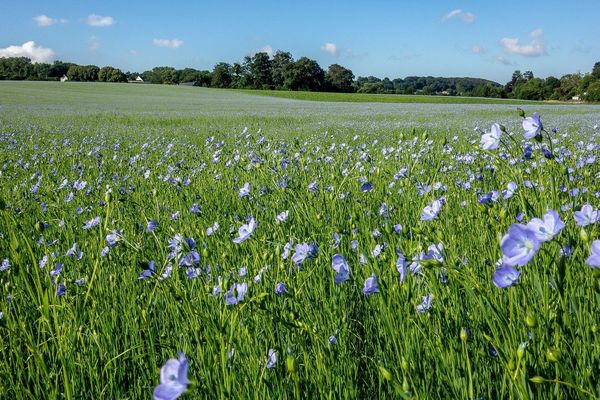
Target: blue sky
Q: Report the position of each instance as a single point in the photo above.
(487, 39)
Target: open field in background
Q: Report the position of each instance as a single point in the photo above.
(383, 98)
(103, 186)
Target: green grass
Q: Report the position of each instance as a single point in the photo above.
(381, 98)
(147, 152)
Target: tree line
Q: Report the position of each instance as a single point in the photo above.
(282, 72)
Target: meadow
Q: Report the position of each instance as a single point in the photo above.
(294, 249)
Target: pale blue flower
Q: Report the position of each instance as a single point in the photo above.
(245, 231)
(173, 379)
(341, 267)
(491, 140)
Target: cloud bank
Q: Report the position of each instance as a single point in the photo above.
(37, 54)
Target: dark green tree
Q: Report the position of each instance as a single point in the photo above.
(304, 74)
(593, 91)
(221, 75)
(261, 69)
(110, 74)
(339, 79)
(15, 68)
(596, 70)
(279, 66)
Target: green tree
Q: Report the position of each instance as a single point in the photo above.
(188, 75)
(58, 69)
(221, 75)
(593, 91)
(110, 74)
(15, 68)
(339, 79)
(304, 74)
(164, 75)
(279, 66)
(596, 70)
(261, 69)
(533, 89)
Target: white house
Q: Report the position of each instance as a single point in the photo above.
(64, 78)
(138, 79)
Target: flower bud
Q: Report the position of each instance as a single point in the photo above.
(521, 112)
(521, 350)
(583, 235)
(530, 320)
(107, 197)
(464, 334)
(537, 379)
(290, 364)
(553, 354)
(405, 385)
(387, 375)
(404, 364)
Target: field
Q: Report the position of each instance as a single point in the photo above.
(294, 249)
(382, 98)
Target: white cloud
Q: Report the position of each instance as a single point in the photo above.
(458, 13)
(266, 49)
(169, 43)
(30, 50)
(535, 48)
(99, 20)
(44, 20)
(477, 49)
(452, 14)
(330, 48)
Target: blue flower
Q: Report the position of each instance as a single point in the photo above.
(425, 303)
(245, 190)
(56, 271)
(532, 126)
(401, 265)
(236, 293)
(282, 216)
(301, 254)
(245, 231)
(506, 276)
(5, 264)
(366, 187)
(594, 259)
(519, 245)
(92, 223)
(61, 290)
(491, 140)
(280, 288)
(340, 266)
(113, 238)
(173, 379)
(586, 216)
(548, 228)
(147, 273)
(332, 340)
(151, 226)
(271, 359)
(431, 211)
(370, 285)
